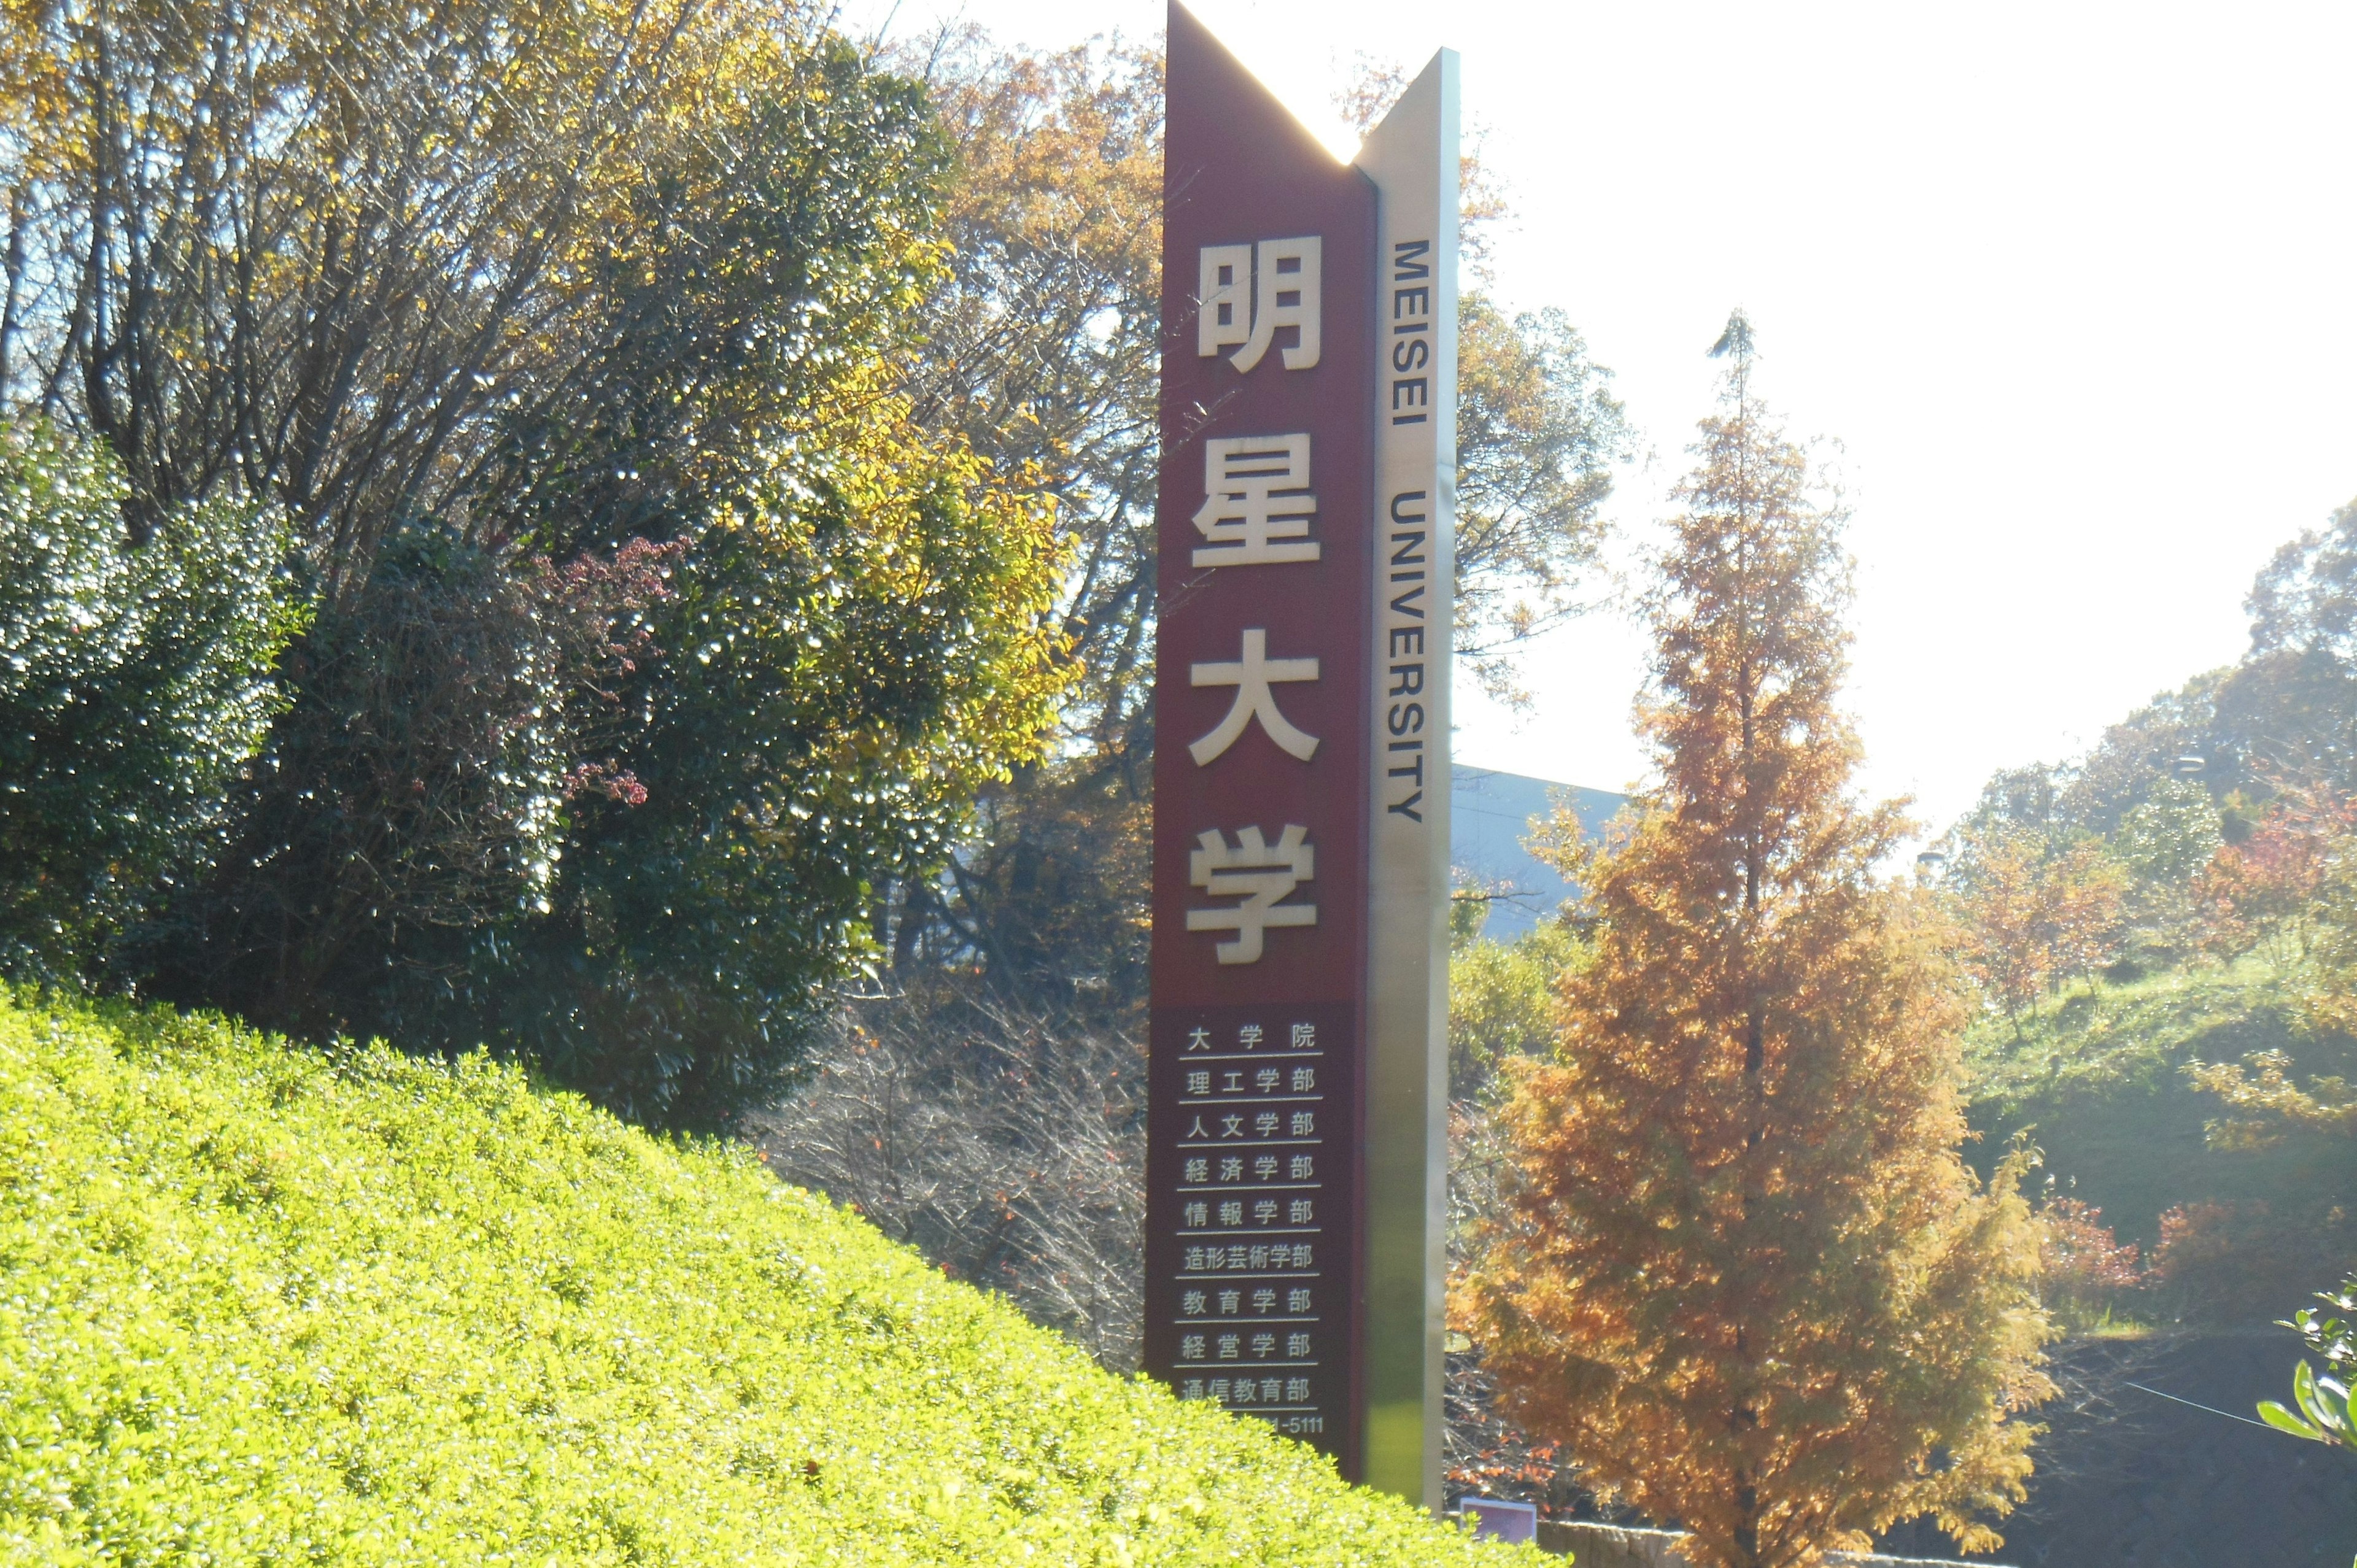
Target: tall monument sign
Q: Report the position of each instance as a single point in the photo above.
(1295, 1165)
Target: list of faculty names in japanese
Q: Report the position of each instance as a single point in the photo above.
(1254, 1268)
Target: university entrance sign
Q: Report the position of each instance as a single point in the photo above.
(1296, 1165)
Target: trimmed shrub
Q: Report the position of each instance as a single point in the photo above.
(266, 1304)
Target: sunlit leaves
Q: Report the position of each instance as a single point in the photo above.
(133, 681)
(262, 1305)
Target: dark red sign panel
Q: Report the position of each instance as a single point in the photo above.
(1255, 1164)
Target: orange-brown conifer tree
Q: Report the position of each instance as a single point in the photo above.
(1743, 1271)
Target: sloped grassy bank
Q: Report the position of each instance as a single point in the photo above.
(261, 1303)
(2100, 1080)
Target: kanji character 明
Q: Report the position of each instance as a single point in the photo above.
(1261, 874)
(1245, 293)
(1251, 674)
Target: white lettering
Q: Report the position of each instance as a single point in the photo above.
(1252, 676)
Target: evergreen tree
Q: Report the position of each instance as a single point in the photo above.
(1742, 1271)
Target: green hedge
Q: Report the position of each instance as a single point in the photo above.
(261, 1303)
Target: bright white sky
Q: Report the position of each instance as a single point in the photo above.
(2073, 285)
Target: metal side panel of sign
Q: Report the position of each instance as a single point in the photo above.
(1412, 159)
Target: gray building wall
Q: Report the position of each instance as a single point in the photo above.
(1490, 815)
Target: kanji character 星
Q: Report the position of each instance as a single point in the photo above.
(1256, 502)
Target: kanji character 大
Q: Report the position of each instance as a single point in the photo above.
(1251, 675)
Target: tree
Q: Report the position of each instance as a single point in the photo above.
(861, 645)
(2263, 1103)
(2005, 917)
(2266, 888)
(1537, 432)
(656, 634)
(1042, 348)
(2084, 891)
(2034, 912)
(136, 680)
(2166, 842)
(319, 254)
(1744, 1272)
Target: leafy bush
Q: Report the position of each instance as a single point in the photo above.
(134, 679)
(412, 802)
(851, 653)
(262, 1305)
(2084, 1271)
(1502, 1003)
(2225, 1262)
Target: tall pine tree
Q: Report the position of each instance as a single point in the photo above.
(1743, 1271)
